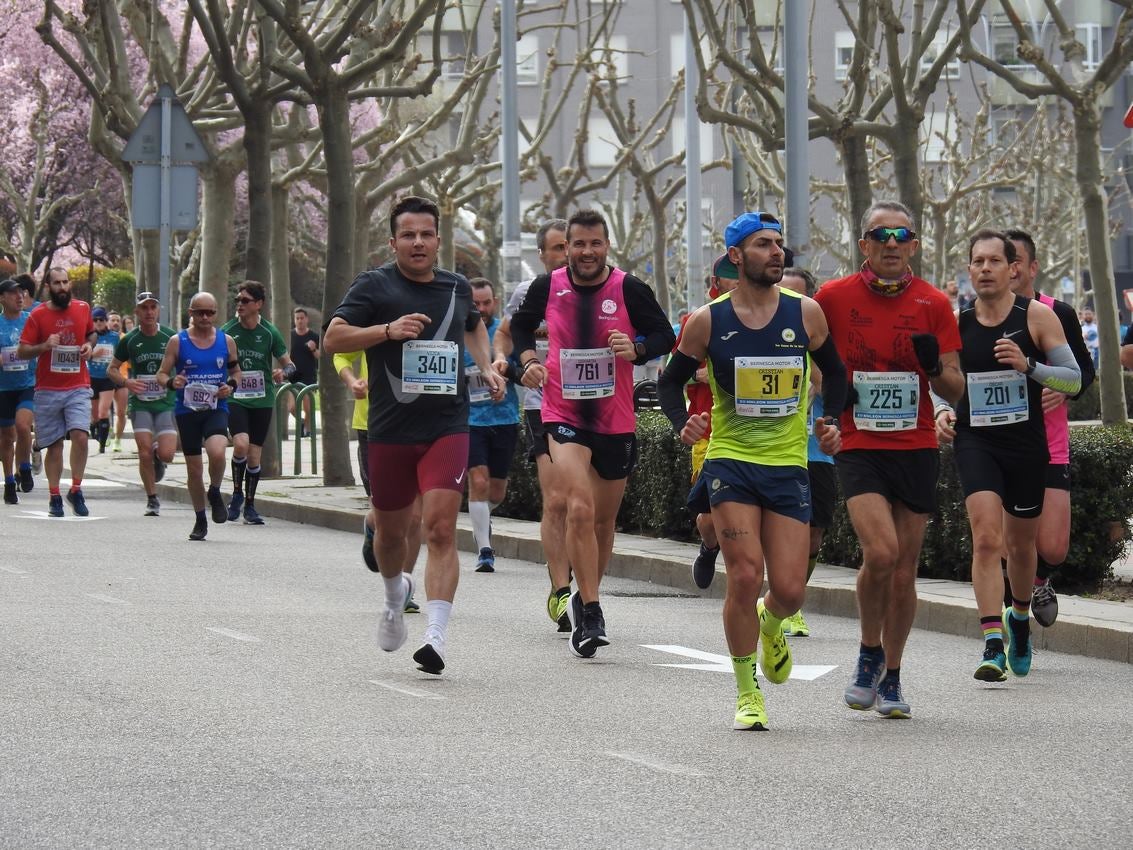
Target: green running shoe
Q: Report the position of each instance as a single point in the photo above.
(774, 654)
(557, 602)
(750, 712)
(993, 668)
(1018, 661)
(795, 626)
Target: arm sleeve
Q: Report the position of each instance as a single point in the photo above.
(939, 403)
(1060, 372)
(1073, 331)
(833, 375)
(670, 388)
(531, 312)
(649, 319)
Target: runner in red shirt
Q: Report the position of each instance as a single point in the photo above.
(60, 332)
(898, 336)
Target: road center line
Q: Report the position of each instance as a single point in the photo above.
(102, 597)
(658, 766)
(409, 692)
(228, 633)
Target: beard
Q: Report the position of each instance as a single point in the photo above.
(60, 299)
(764, 279)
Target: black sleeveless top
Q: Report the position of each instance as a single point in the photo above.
(1000, 406)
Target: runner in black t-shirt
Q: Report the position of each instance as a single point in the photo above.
(414, 321)
(304, 352)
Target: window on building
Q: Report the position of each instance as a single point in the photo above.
(527, 59)
(677, 136)
(937, 133)
(616, 51)
(843, 53)
(932, 51)
(771, 39)
(1091, 37)
(601, 144)
(1005, 44)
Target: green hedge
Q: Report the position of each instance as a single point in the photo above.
(1101, 472)
(114, 290)
(1088, 406)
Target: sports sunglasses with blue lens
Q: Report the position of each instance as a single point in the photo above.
(884, 234)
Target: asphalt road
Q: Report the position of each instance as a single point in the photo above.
(156, 693)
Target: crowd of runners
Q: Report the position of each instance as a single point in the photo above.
(788, 394)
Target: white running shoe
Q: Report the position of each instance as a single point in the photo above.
(391, 627)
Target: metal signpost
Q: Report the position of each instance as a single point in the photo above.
(163, 150)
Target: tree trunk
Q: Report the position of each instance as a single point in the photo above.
(257, 149)
(446, 257)
(1088, 170)
(660, 260)
(217, 236)
(334, 124)
(150, 274)
(906, 169)
(279, 289)
(856, 167)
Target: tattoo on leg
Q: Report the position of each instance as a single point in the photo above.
(734, 533)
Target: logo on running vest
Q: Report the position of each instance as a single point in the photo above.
(563, 292)
(564, 431)
(219, 362)
(728, 335)
(608, 306)
(788, 335)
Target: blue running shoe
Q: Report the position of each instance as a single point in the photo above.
(235, 506)
(78, 503)
(1016, 632)
(861, 693)
(993, 667)
(487, 561)
(890, 701)
(55, 506)
(252, 516)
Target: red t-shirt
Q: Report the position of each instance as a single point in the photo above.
(872, 333)
(60, 368)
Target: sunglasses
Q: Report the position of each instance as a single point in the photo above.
(203, 312)
(245, 300)
(884, 234)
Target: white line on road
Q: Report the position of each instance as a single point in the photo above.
(658, 766)
(102, 597)
(409, 692)
(723, 664)
(43, 515)
(14, 571)
(228, 633)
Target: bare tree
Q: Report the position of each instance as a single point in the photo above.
(1082, 90)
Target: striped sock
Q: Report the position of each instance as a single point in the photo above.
(992, 628)
(1020, 610)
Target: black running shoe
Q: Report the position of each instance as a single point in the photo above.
(200, 529)
(153, 506)
(216, 501)
(704, 567)
(579, 643)
(10, 497)
(595, 624)
(429, 660)
(27, 480)
(158, 468)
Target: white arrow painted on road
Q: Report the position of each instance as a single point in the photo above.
(723, 664)
(45, 515)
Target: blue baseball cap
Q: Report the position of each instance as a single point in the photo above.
(98, 313)
(748, 223)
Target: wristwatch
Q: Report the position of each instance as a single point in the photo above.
(639, 349)
(1030, 365)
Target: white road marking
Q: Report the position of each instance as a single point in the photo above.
(658, 766)
(228, 633)
(723, 664)
(102, 597)
(409, 692)
(69, 518)
(102, 484)
(14, 571)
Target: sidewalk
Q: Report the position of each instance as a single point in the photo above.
(1095, 628)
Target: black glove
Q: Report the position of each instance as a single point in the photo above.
(851, 396)
(928, 353)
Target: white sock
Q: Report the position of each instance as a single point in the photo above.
(481, 515)
(437, 611)
(395, 592)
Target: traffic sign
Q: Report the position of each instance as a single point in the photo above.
(144, 144)
(145, 197)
